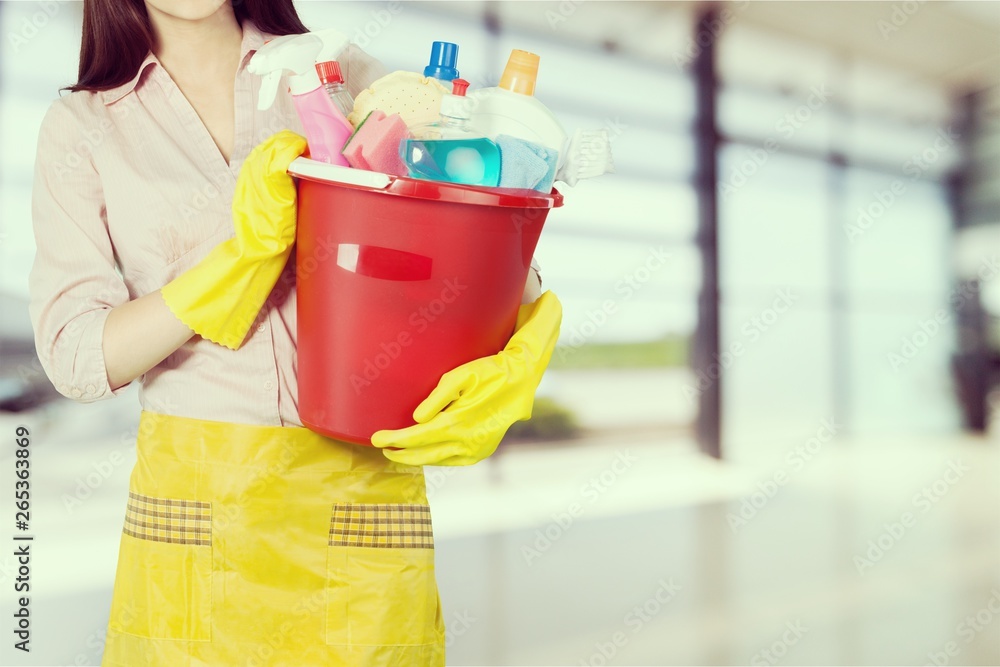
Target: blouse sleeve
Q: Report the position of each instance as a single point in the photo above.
(73, 283)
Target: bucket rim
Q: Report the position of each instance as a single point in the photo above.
(401, 186)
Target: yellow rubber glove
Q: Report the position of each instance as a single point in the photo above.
(467, 414)
(220, 297)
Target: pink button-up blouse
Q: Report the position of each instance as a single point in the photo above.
(129, 192)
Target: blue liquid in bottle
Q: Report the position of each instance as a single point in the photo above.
(466, 161)
(449, 150)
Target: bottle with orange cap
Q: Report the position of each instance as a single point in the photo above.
(512, 109)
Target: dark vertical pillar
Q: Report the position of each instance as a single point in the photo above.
(708, 425)
(971, 363)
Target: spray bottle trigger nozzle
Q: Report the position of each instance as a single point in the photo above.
(268, 89)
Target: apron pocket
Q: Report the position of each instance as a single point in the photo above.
(163, 585)
(381, 587)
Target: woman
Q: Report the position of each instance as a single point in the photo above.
(164, 221)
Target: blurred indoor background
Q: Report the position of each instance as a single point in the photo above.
(770, 433)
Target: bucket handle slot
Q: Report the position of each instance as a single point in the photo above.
(383, 263)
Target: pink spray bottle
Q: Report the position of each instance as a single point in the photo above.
(326, 128)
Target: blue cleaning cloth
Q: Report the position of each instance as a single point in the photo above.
(524, 164)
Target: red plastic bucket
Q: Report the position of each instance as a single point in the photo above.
(400, 280)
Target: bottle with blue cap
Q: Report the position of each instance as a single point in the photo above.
(444, 58)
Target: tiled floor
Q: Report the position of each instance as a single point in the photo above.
(798, 582)
(617, 547)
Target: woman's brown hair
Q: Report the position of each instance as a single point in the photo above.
(117, 36)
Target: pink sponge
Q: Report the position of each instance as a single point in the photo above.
(375, 144)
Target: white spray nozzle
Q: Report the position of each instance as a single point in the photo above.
(298, 55)
(334, 42)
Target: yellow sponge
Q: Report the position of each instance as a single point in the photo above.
(416, 98)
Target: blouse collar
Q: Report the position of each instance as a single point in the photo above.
(253, 39)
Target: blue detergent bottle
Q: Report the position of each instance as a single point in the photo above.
(444, 58)
(448, 150)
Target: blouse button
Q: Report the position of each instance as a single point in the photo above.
(91, 389)
(268, 385)
(261, 327)
(77, 393)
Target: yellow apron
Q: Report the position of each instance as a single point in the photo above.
(253, 545)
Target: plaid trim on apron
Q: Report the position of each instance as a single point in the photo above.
(251, 546)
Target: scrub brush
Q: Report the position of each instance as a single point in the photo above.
(588, 155)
